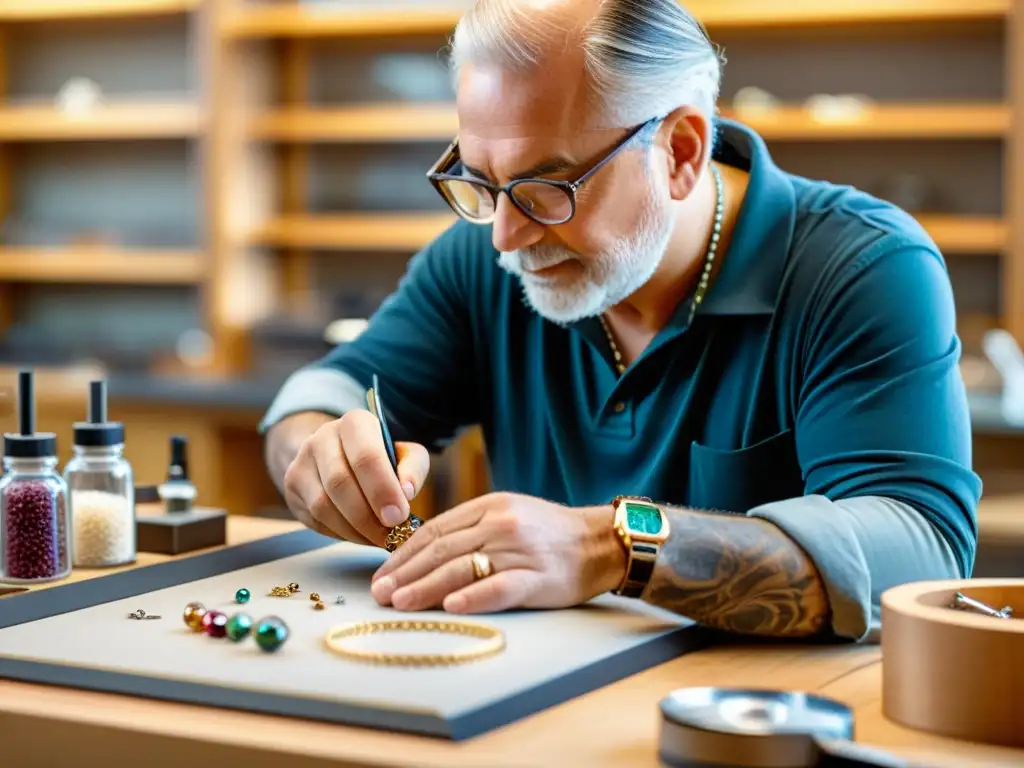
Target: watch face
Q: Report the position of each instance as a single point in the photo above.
(643, 518)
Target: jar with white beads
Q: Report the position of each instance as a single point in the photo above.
(101, 490)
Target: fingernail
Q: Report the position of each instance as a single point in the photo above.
(392, 515)
(455, 603)
(383, 588)
(409, 490)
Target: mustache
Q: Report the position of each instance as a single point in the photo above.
(537, 257)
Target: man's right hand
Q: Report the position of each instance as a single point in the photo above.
(341, 482)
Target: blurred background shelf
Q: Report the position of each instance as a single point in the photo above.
(40, 10)
(354, 231)
(971, 235)
(135, 121)
(26, 265)
(372, 123)
(314, 20)
(883, 122)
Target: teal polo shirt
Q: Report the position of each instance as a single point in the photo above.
(821, 366)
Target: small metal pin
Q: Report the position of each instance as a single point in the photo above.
(141, 615)
(962, 602)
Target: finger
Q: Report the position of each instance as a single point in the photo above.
(435, 555)
(464, 516)
(503, 591)
(413, 467)
(338, 484)
(302, 514)
(304, 493)
(363, 446)
(431, 590)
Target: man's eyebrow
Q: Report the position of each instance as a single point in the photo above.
(550, 166)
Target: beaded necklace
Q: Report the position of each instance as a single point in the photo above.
(702, 286)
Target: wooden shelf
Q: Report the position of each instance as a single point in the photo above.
(439, 122)
(303, 21)
(757, 14)
(97, 265)
(361, 231)
(43, 10)
(411, 231)
(966, 234)
(883, 121)
(299, 21)
(359, 123)
(108, 122)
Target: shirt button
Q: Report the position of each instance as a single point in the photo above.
(620, 407)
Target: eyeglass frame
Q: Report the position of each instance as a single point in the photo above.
(452, 156)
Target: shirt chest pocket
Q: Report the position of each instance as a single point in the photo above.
(739, 480)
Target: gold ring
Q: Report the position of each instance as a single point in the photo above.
(482, 567)
(493, 642)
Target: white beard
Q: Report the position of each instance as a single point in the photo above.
(608, 278)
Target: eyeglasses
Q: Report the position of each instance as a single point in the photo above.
(545, 201)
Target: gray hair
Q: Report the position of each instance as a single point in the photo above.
(644, 58)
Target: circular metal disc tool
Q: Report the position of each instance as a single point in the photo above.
(729, 728)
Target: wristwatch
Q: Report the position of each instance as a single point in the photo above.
(642, 526)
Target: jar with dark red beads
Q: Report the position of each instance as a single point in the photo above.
(35, 529)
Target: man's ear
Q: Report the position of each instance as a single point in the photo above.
(685, 136)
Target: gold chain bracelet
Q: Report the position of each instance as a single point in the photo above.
(494, 642)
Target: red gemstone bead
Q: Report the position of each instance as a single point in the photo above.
(215, 623)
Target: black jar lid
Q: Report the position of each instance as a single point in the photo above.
(97, 432)
(29, 444)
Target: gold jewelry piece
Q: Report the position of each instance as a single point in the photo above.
(281, 592)
(493, 642)
(319, 606)
(400, 534)
(293, 587)
(482, 567)
(314, 596)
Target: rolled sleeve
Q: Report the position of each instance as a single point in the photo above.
(862, 547)
(321, 390)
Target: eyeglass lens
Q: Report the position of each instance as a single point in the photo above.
(547, 203)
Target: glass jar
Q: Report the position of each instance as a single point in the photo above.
(101, 493)
(35, 529)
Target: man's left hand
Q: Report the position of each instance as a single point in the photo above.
(543, 555)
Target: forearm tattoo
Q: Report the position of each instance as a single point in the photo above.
(738, 574)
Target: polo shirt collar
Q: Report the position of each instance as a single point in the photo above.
(751, 271)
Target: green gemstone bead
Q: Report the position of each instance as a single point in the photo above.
(271, 634)
(242, 596)
(239, 626)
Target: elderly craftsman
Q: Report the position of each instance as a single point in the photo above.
(638, 303)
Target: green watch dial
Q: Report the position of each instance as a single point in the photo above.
(643, 518)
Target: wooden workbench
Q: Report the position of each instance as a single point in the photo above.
(614, 726)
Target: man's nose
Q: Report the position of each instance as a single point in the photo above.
(512, 229)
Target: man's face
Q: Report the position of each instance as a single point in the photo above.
(513, 125)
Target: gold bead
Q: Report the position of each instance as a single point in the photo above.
(293, 587)
(314, 596)
(319, 606)
(193, 616)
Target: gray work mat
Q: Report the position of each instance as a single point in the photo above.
(78, 635)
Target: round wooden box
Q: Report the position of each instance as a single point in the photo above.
(952, 672)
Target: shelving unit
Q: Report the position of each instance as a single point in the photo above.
(46, 247)
(291, 143)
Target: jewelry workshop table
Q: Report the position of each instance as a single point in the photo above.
(613, 726)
